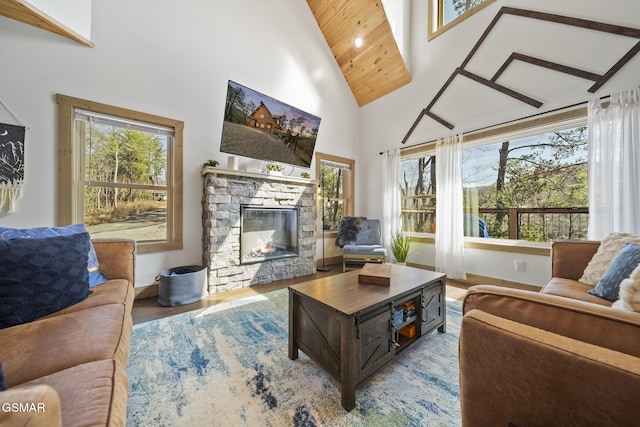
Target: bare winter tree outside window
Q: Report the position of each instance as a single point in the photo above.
(418, 194)
(125, 186)
(336, 184)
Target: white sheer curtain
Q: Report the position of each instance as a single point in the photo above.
(391, 220)
(614, 165)
(449, 226)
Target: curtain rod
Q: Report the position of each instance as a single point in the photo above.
(569, 107)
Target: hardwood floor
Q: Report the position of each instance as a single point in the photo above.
(148, 309)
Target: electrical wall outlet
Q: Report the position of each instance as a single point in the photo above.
(519, 265)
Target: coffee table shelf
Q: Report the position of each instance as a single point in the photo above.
(407, 322)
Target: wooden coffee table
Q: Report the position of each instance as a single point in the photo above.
(349, 329)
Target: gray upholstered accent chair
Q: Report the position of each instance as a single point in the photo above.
(367, 244)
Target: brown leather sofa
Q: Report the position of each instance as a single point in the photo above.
(69, 368)
(559, 357)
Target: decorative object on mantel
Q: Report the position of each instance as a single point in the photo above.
(274, 169)
(210, 163)
(599, 80)
(232, 162)
(305, 175)
(257, 173)
(11, 162)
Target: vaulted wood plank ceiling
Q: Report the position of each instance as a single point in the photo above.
(376, 68)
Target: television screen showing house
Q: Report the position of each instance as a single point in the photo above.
(258, 126)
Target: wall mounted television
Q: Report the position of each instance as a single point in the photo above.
(260, 127)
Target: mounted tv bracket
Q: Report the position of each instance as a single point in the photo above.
(599, 80)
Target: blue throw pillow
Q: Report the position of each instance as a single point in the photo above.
(41, 276)
(625, 261)
(95, 276)
(3, 383)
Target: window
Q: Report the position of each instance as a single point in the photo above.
(444, 14)
(417, 192)
(532, 188)
(120, 173)
(525, 184)
(336, 183)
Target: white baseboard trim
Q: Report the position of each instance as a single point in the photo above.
(148, 291)
(477, 279)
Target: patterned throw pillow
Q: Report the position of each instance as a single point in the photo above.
(95, 276)
(621, 267)
(608, 249)
(41, 276)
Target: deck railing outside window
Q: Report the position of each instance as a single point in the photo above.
(531, 224)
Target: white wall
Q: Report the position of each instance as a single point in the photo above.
(75, 14)
(170, 59)
(399, 15)
(493, 264)
(386, 121)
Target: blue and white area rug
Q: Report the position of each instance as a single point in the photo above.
(228, 365)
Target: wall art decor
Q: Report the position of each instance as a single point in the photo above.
(11, 165)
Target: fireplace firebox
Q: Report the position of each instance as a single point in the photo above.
(267, 233)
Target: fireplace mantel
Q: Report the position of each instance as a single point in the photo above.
(236, 172)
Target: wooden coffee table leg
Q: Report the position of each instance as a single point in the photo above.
(443, 295)
(348, 368)
(293, 337)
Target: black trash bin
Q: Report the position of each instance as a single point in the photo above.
(182, 285)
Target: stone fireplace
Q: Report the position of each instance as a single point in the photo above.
(257, 228)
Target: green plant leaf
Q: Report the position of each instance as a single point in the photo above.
(400, 246)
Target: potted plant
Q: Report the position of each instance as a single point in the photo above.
(400, 245)
(274, 169)
(305, 175)
(210, 163)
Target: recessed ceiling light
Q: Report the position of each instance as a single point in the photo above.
(357, 42)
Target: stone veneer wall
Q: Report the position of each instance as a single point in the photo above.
(223, 193)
